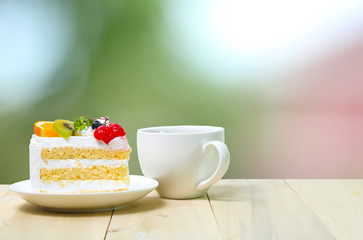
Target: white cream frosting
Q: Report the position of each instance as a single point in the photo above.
(88, 131)
(119, 143)
(36, 162)
(74, 141)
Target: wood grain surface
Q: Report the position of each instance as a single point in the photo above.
(3, 190)
(232, 209)
(263, 209)
(155, 218)
(21, 220)
(338, 203)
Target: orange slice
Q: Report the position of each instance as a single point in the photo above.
(44, 129)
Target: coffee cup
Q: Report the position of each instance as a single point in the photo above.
(186, 160)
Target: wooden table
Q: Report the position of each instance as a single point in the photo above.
(232, 209)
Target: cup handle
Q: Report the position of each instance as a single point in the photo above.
(222, 167)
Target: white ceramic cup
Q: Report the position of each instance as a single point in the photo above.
(186, 160)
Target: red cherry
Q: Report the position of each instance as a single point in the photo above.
(108, 137)
(101, 132)
(116, 130)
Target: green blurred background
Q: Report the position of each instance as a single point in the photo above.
(154, 63)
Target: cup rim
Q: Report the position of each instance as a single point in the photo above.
(157, 130)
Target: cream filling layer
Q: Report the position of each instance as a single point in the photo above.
(83, 186)
(84, 162)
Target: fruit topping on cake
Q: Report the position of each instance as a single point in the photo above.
(96, 124)
(107, 133)
(100, 128)
(63, 128)
(44, 129)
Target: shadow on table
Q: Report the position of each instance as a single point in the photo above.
(148, 203)
(28, 209)
(229, 193)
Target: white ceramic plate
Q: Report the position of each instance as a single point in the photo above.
(139, 187)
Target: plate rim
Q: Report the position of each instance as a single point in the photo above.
(12, 187)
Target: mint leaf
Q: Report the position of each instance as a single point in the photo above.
(89, 122)
(81, 123)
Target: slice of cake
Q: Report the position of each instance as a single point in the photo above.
(82, 156)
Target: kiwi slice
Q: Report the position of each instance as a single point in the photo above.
(63, 128)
